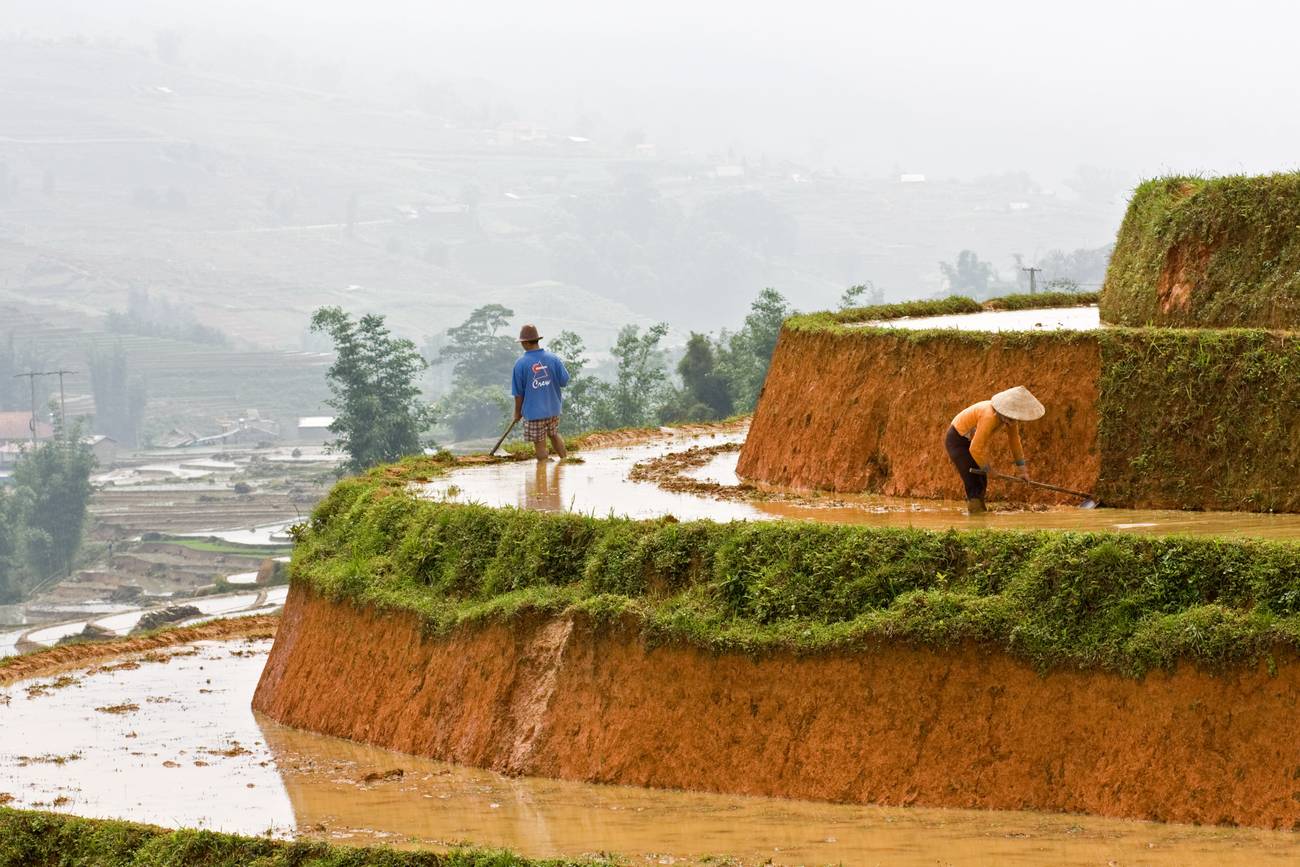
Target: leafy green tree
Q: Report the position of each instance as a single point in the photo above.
(481, 358)
(642, 381)
(119, 397)
(379, 413)
(475, 410)
(582, 393)
(478, 353)
(861, 295)
(705, 393)
(52, 482)
(10, 588)
(968, 275)
(749, 351)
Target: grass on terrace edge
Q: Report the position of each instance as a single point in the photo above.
(39, 839)
(1102, 601)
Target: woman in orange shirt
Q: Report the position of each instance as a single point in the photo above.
(969, 438)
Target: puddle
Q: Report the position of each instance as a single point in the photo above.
(600, 486)
(1047, 319)
(177, 745)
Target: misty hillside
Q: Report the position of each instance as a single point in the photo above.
(252, 203)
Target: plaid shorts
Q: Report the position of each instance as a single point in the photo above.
(537, 429)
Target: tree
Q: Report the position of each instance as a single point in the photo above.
(119, 398)
(968, 275)
(9, 581)
(53, 483)
(380, 415)
(862, 295)
(705, 393)
(479, 355)
(583, 391)
(481, 359)
(641, 382)
(749, 351)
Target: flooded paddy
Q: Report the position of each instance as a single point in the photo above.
(168, 737)
(1046, 319)
(600, 486)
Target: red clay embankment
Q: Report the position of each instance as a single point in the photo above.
(566, 698)
(867, 411)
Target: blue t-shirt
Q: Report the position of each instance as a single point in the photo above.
(539, 376)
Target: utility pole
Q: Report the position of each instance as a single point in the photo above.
(1031, 272)
(60, 373)
(31, 423)
(31, 378)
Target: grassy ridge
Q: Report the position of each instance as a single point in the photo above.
(35, 839)
(1200, 418)
(1092, 601)
(1236, 240)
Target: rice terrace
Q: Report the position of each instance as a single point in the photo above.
(688, 434)
(770, 639)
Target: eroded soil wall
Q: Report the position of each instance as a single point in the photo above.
(563, 697)
(867, 411)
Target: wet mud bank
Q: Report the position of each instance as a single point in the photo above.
(867, 411)
(569, 698)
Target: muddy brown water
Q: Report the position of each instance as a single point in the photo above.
(176, 744)
(600, 486)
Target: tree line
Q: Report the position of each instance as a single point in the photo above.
(42, 517)
(381, 414)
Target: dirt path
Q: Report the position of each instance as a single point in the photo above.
(45, 662)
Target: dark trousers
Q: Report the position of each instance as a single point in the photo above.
(958, 448)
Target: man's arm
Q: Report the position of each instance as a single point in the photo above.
(561, 373)
(519, 406)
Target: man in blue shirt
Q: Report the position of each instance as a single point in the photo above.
(539, 375)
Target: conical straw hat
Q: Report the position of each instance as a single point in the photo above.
(1017, 403)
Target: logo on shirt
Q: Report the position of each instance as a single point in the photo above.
(541, 376)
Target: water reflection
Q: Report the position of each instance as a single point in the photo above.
(542, 488)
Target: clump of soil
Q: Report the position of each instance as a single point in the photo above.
(47, 759)
(385, 776)
(124, 707)
(163, 617)
(62, 682)
(234, 749)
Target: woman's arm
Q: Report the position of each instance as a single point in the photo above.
(1017, 449)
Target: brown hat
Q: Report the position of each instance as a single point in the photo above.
(528, 334)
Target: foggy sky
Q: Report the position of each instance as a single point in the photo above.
(944, 88)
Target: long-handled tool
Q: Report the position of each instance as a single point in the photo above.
(513, 422)
(1089, 501)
